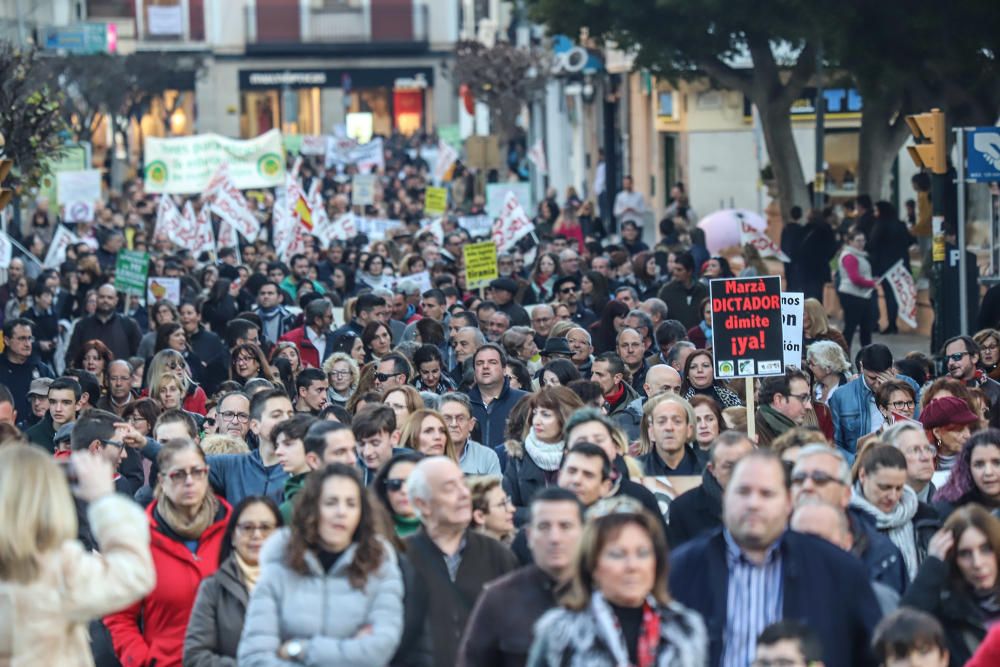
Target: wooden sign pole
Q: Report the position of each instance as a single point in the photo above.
(751, 410)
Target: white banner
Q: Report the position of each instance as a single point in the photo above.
(792, 308)
(228, 203)
(73, 186)
(537, 155)
(512, 224)
(476, 225)
(185, 165)
(204, 236)
(445, 158)
(169, 220)
(758, 239)
(61, 240)
(363, 189)
(344, 151)
(901, 282)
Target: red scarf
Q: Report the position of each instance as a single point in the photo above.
(649, 637)
(616, 395)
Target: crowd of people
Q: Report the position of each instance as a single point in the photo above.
(348, 457)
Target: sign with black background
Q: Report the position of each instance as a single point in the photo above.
(746, 327)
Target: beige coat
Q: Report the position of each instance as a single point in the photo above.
(44, 623)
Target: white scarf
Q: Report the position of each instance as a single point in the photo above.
(546, 455)
(897, 525)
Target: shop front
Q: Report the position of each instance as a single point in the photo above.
(297, 101)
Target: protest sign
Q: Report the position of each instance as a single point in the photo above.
(79, 211)
(185, 165)
(343, 151)
(131, 271)
(422, 279)
(74, 186)
(746, 326)
(480, 264)
(363, 190)
(496, 197)
(61, 240)
(446, 157)
(512, 224)
(69, 158)
(761, 241)
(792, 307)
(435, 201)
(164, 289)
(900, 280)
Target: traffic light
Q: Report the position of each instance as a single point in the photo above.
(931, 151)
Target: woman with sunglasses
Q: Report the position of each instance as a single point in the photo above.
(213, 633)
(617, 610)
(187, 525)
(390, 488)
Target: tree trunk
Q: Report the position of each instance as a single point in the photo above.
(776, 124)
(879, 141)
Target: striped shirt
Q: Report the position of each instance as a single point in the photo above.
(753, 601)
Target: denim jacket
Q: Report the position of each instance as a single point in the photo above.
(850, 407)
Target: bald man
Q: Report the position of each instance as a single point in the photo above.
(121, 334)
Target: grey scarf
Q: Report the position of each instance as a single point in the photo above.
(897, 525)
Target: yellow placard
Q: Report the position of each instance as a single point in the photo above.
(480, 264)
(435, 201)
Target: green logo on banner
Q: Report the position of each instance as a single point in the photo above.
(156, 172)
(270, 165)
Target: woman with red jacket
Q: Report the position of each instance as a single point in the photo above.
(186, 524)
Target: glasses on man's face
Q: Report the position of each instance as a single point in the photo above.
(264, 529)
(902, 405)
(801, 398)
(180, 476)
(818, 477)
(117, 444)
(384, 377)
(455, 419)
(567, 290)
(956, 356)
(235, 416)
(394, 485)
(918, 450)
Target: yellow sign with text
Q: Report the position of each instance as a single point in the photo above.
(435, 201)
(480, 264)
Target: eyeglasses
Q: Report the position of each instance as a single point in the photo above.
(902, 405)
(917, 450)
(394, 485)
(340, 374)
(264, 529)
(180, 476)
(173, 365)
(455, 419)
(956, 357)
(384, 377)
(818, 477)
(989, 348)
(245, 358)
(136, 419)
(118, 444)
(567, 290)
(235, 416)
(209, 421)
(801, 398)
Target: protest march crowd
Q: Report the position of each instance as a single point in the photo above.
(292, 426)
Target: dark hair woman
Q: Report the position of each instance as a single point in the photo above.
(330, 557)
(975, 476)
(699, 378)
(541, 279)
(249, 362)
(171, 336)
(377, 339)
(594, 290)
(604, 332)
(389, 486)
(95, 357)
(216, 624)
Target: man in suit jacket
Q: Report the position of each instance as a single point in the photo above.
(453, 563)
(754, 572)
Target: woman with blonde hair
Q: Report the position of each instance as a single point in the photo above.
(343, 374)
(816, 326)
(404, 401)
(172, 362)
(51, 586)
(168, 391)
(492, 510)
(425, 431)
(617, 609)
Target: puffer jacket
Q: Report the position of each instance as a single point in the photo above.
(45, 622)
(213, 633)
(322, 610)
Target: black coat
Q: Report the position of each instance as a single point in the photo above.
(415, 643)
(483, 560)
(818, 246)
(522, 479)
(213, 632)
(695, 512)
(121, 334)
(496, 637)
(952, 604)
(822, 586)
(890, 242)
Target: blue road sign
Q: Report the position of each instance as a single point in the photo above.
(982, 154)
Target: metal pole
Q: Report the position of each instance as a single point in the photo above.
(963, 287)
(819, 181)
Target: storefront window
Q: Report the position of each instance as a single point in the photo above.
(293, 110)
(376, 102)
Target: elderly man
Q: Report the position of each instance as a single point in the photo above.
(632, 351)
(791, 575)
(473, 458)
(453, 562)
(667, 433)
(582, 348)
(464, 344)
(120, 387)
(542, 319)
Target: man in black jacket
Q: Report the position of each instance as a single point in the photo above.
(699, 510)
(452, 561)
(121, 334)
(495, 637)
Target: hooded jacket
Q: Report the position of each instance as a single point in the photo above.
(323, 610)
(213, 633)
(154, 628)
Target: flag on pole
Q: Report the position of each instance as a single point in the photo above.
(303, 212)
(537, 155)
(204, 235)
(61, 240)
(228, 203)
(900, 280)
(761, 241)
(512, 225)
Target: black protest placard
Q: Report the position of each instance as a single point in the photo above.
(746, 326)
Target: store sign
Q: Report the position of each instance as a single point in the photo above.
(746, 327)
(842, 103)
(406, 78)
(185, 165)
(83, 38)
(278, 79)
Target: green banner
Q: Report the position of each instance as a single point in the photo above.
(131, 271)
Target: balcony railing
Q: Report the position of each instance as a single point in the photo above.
(404, 23)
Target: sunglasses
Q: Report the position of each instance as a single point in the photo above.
(384, 377)
(956, 357)
(818, 477)
(394, 485)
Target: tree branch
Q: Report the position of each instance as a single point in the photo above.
(727, 76)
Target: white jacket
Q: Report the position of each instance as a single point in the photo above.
(845, 284)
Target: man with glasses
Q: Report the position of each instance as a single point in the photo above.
(120, 387)
(473, 458)
(567, 292)
(97, 431)
(961, 354)
(393, 371)
(783, 403)
(910, 438)
(17, 367)
(542, 319)
(821, 474)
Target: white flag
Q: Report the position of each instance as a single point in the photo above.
(901, 282)
(512, 225)
(169, 221)
(6, 251)
(204, 236)
(61, 240)
(537, 155)
(758, 239)
(445, 158)
(229, 204)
